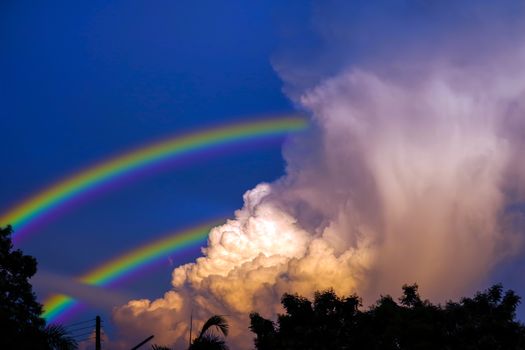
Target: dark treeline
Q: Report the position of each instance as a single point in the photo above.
(21, 324)
(486, 321)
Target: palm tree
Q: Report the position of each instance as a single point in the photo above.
(58, 338)
(158, 347)
(207, 340)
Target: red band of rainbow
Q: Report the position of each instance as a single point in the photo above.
(63, 192)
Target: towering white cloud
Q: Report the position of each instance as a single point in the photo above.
(411, 172)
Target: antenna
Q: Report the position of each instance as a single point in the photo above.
(142, 342)
(98, 346)
(191, 324)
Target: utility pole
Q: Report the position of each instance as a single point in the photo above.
(191, 325)
(97, 334)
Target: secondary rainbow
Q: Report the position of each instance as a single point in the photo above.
(126, 264)
(63, 192)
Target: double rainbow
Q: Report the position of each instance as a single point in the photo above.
(59, 305)
(49, 200)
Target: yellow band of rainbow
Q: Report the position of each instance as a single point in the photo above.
(65, 191)
(128, 263)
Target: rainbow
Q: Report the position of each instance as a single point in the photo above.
(124, 265)
(63, 192)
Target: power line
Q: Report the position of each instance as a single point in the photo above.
(80, 329)
(80, 335)
(90, 338)
(81, 322)
(80, 326)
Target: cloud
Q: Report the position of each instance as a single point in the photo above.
(411, 172)
(96, 296)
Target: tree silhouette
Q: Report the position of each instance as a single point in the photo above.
(20, 322)
(207, 339)
(58, 338)
(159, 347)
(486, 321)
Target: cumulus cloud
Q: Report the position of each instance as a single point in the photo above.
(411, 172)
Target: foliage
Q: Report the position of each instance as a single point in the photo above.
(158, 347)
(58, 338)
(215, 321)
(20, 322)
(486, 321)
(19, 311)
(207, 340)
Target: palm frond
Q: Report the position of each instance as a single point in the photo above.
(209, 342)
(58, 338)
(159, 347)
(215, 321)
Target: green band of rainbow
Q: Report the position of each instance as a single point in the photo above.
(126, 264)
(64, 191)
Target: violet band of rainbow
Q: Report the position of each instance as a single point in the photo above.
(126, 264)
(63, 192)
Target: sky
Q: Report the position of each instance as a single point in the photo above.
(83, 82)
(410, 170)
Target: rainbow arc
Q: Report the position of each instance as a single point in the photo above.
(58, 306)
(36, 208)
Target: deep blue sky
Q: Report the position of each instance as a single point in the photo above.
(80, 81)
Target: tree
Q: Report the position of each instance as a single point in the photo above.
(320, 324)
(486, 321)
(58, 338)
(207, 339)
(20, 321)
(159, 347)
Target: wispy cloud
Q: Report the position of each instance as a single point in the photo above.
(55, 283)
(406, 176)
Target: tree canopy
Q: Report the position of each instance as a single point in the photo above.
(207, 338)
(486, 321)
(20, 322)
